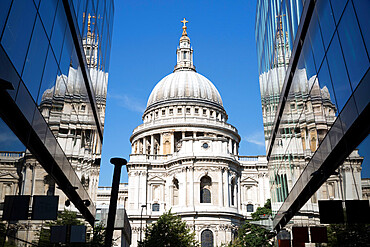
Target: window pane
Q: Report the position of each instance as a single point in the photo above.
(338, 73)
(47, 12)
(18, 30)
(362, 10)
(8, 73)
(326, 21)
(48, 79)
(316, 40)
(8, 140)
(338, 7)
(35, 59)
(25, 102)
(327, 91)
(59, 27)
(353, 47)
(4, 9)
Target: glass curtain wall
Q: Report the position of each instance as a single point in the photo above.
(312, 91)
(52, 108)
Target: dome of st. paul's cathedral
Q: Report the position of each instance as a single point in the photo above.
(184, 84)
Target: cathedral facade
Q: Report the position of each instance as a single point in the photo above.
(185, 159)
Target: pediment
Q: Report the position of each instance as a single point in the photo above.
(249, 180)
(156, 179)
(8, 175)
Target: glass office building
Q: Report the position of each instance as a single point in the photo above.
(54, 62)
(313, 59)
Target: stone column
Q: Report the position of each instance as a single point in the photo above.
(172, 142)
(192, 186)
(228, 188)
(225, 187)
(161, 143)
(137, 178)
(185, 170)
(230, 146)
(239, 193)
(221, 196)
(144, 145)
(152, 144)
(144, 187)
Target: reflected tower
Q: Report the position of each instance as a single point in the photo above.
(303, 102)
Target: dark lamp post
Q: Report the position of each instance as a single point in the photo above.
(141, 221)
(118, 163)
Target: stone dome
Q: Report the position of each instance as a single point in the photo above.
(184, 85)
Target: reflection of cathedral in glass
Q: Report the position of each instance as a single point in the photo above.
(66, 108)
(53, 74)
(185, 159)
(308, 114)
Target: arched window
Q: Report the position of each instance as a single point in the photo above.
(205, 189)
(233, 187)
(175, 192)
(207, 238)
(249, 207)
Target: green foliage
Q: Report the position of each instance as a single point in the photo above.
(253, 235)
(348, 235)
(169, 230)
(98, 236)
(265, 210)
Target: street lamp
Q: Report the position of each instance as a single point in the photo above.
(141, 220)
(118, 163)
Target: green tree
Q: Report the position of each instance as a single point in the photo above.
(98, 237)
(253, 235)
(169, 230)
(348, 235)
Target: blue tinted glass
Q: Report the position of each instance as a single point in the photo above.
(35, 59)
(316, 40)
(59, 28)
(8, 73)
(309, 63)
(37, 3)
(9, 141)
(348, 114)
(18, 31)
(362, 10)
(326, 21)
(338, 7)
(48, 78)
(4, 9)
(65, 59)
(362, 93)
(47, 12)
(353, 47)
(81, 16)
(338, 73)
(25, 102)
(326, 86)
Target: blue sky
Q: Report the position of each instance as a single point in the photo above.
(145, 38)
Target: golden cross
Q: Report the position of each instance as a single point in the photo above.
(184, 21)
